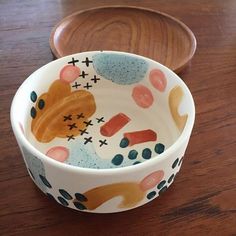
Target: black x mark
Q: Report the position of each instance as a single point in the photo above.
(88, 140)
(95, 79)
(70, 137)
(100, 119)
(83, 74)
(103, 142)
(73, 61)
(81, 115)
(83, 131)
(88, 123)
(69, 117)
(76, 85)
(72, 126)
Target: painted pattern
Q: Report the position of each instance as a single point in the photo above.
(73, 121)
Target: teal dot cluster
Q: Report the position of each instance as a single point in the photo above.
(40, 104)
(164, 184)
(133, 154)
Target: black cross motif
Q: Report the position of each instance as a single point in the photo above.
(88, 123)
(70, 137)
(76, 85)
(81, 115)
(72, 126)
(100, 119)
(83, 131)
(88, 140)
(103, 142)
(95, 79)
(73, 61)
(87, 86)
(87, 61)
(83, 74)
(67, 117)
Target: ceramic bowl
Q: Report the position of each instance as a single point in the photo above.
(103, 131)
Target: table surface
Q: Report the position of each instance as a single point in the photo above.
(202, 200)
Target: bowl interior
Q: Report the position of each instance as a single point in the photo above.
(102, 109)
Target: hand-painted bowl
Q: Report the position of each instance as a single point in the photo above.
(103, 131)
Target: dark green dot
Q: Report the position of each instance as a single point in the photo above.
(136, 162)
(181, 160)
(161, 184)
(31, 174)
(33, 112)
(63, 201)
(132, 154)
(162, 190)
(33, 96)
(41, 104)
(159, 148)
(147, 153)
(80, 197)
(124, 143)
(171, 178)
(80, 206)
(65, 194)
(45, 181)
(117, 159)
(50, 196)
(151, 195)
(175, 163)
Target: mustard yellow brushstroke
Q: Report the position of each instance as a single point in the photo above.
(175, 97)
(130, 192)
(59, 102)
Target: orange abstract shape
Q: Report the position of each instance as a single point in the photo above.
(151, 180)
(175, 98)
(59, 101)
(112, 126)
(141, 136)
(69, 73)
(142, 96)
(130, 192)
(58, 153)
(158, 79)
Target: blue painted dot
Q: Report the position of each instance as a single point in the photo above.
(63, 201)
(161, 184)
(45, 181)
(80, 206)
(50, 196)
(124, 143)
(33, 112)
(175, 163)
(80, 197)
(117, 159)
(151, 195)
(41, 104)
(147, 153)
(159, 148)
(136, 162)
(132, 154)
(171, 178)
(65, 194)
(33, 96)
(162, 190)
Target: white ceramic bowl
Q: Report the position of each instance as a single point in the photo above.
(103, 131)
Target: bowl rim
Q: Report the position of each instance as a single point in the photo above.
(184, 136)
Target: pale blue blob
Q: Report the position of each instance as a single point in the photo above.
(35, 167)
(85, 156)
(120, 68)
